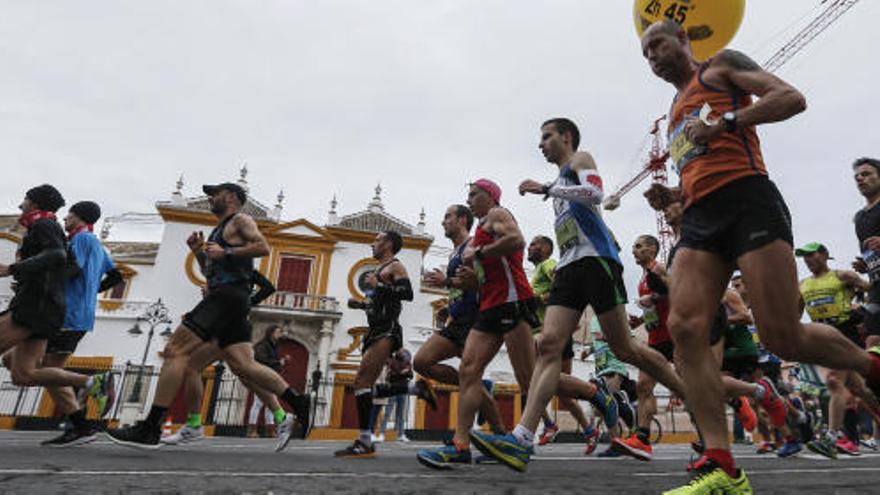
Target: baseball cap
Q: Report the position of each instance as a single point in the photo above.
(226, 186)
(812, 247)
(490, 187)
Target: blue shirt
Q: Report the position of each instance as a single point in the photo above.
(461, 303)
(82, 291)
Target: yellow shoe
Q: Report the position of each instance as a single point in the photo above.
(711, 480)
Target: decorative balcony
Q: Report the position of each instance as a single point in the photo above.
(306, 305)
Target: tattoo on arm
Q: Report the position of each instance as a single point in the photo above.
(739, 61)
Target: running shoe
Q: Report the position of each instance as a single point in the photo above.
(357, 450)
(823, 446)
(625, 410)
(425, 391)
(102, 391)
(71, 438)
(284, 432)
(605, 403)
(403, 438)
(767, 447)
(550, 433)
(790, 448)
(505, 448)
(772, 403)
(869, 444)
(139, 436)
(846, 446)
(744, 413)
(186, 434)
(591, 436)
(609, 453)
(443, 458)
(709, 478)
(633, 446)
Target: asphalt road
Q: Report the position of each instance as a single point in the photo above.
(233, 465)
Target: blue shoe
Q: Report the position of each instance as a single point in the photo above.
(505, 448)
(790, 449)
(444, 457)
(604, 402)
(609, 453)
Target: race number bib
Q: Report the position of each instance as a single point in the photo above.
(872, 259)
(681, 150)
(566, 233)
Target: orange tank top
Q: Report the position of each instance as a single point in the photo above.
(731, 156)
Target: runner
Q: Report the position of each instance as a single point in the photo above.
(38, 310)
(463, 308)
(654, 301)
(389, 286)
(506, 314)
(867, 222)
(615, 377)
(539, 252)
(97, 274)
(733, 214)
(827, 296)
(589, 273)
(226, 260)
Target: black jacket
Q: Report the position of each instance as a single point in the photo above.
(265, 352)
(39, 301)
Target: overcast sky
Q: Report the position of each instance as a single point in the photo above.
(112, 101)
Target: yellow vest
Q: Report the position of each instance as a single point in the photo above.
(827, 298)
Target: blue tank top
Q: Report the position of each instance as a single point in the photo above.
(462, 303)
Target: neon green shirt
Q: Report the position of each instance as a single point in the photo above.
(542, 282)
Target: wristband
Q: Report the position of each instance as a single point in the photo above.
(228, 251)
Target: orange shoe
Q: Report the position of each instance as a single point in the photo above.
(634, 447)
(745, 414)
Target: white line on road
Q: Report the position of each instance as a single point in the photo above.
(755, 472)
(225, 474)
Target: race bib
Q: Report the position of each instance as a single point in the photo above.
(823, 308)
(566, 233)
(872, 259)
(681, 150)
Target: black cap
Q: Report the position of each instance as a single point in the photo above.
(46, 197)
(226, 186)
(87, 211)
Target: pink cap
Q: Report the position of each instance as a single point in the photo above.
(490, 187)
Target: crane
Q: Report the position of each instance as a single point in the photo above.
(658, 155)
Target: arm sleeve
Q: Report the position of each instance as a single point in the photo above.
(265, 288)
(52, 255)
(588, 192)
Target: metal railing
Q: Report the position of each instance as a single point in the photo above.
(301, 302)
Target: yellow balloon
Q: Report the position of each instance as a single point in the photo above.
(710, 24)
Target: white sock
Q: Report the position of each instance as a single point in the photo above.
(760, 391)
(524, 436)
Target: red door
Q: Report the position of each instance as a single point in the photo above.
(294, 274)
(296, 363)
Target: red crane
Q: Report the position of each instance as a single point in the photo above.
(656, 164)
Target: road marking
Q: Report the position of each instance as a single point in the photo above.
(755, 472)
(225, 474)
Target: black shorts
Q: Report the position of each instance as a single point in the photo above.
(458, 329)
(391, 331)
(64, 342)
(593, 281)
(222, 315)
(568, 351)
(667, 348)
(740, 367)
(719, 326)
(850, 330)
(31, 319)
(505, 317)
(740, 217)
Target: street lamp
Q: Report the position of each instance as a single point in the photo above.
(156, 314)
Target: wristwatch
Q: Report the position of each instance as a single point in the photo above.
(729, 119)
(228, 251)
